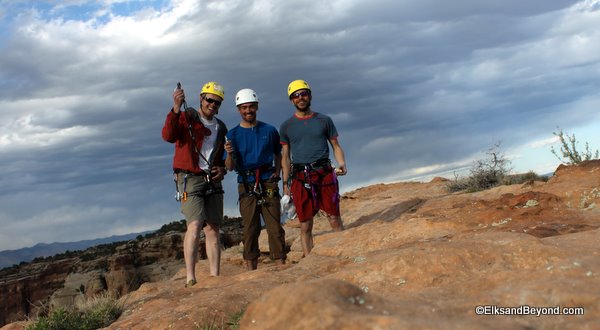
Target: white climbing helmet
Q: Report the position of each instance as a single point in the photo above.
(245, 95)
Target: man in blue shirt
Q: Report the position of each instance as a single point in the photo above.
(254, 152)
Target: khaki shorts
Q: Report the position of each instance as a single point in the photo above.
(207, 208)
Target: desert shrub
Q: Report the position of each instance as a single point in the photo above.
(95, 313)
(484, 174)
(568, 149)
(178, 226)
(100, 311)
(59, 319)
(523, 178)
(458, 184)
(234, 319)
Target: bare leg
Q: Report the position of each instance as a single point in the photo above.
(190, 249)
(306, 237)
(213, 248)
(335, 222)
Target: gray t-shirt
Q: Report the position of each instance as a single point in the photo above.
(308, 137)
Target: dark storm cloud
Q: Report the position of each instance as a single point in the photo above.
(414, 88)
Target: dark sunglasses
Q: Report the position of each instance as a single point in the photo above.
(212, 101)
(300, 94)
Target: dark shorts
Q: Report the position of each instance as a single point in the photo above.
(207, 208)
(323, 195)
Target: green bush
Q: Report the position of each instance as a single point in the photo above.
(60, 319)
(95, 313)
(568, 150)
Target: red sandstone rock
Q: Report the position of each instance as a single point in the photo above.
(412, 256)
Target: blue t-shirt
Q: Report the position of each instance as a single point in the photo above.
(254, 147)
(308, 138)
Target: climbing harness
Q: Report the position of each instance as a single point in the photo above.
(257, 188)
(182, 196)
(321, 168)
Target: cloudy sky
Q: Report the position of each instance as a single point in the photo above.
(416, 88)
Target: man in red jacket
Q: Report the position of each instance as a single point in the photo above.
(198, 165)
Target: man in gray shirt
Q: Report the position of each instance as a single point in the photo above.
(305, 139)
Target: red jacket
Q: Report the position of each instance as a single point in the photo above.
(176, 131)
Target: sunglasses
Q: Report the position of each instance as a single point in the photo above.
(211, 101)
(300, 94)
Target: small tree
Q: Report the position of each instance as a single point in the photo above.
(485, 173)
(568, 149)
(490, 172)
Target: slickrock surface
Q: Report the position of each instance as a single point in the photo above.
(412, 256)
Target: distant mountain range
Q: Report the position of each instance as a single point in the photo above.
(12, 257)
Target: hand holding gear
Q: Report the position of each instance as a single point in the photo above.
(341, 170)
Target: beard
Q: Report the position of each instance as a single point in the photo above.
(250, 119)
(305, 108)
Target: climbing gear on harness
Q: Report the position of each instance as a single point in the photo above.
(182, 196)
(262, 194)
(297, 85)
(257, 189)
(178, 195)
(271, 192)
(213, 88)
(321, 164)
(321, 167)
(245, 95)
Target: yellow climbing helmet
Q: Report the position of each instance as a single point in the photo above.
(212, 87)
(297, 85)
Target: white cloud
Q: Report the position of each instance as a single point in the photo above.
(544, 143)
(34, 136)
